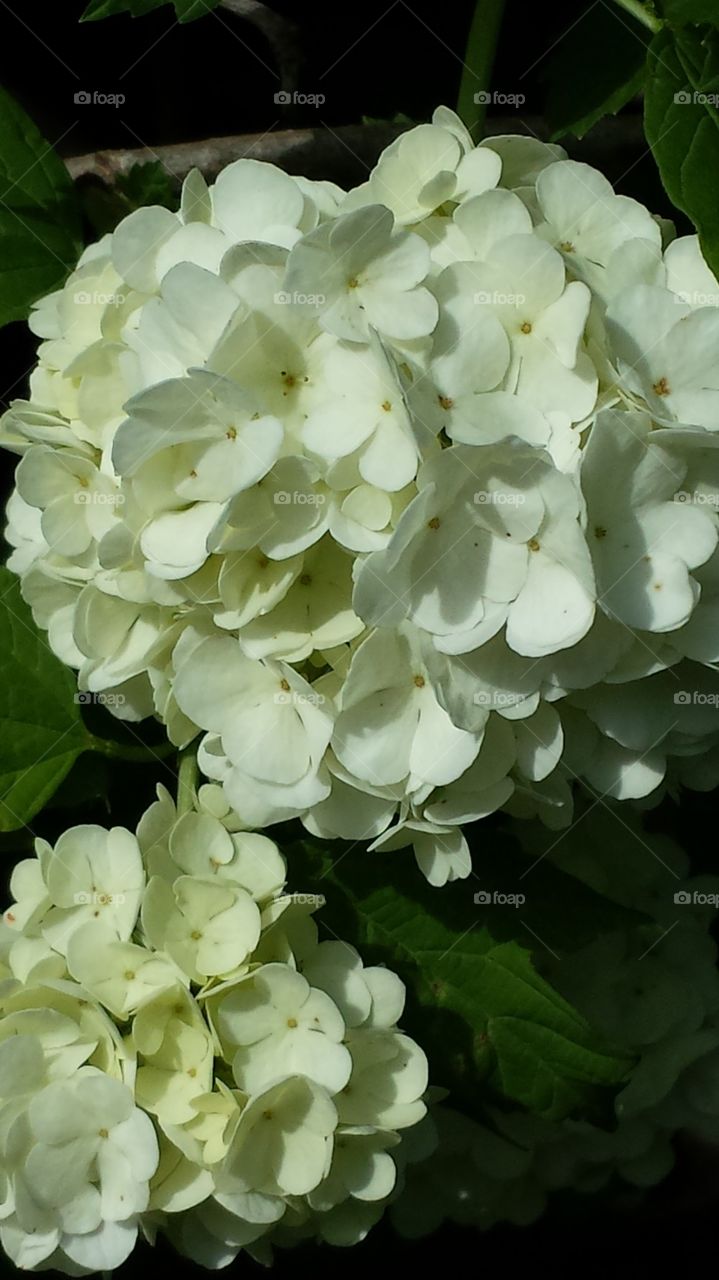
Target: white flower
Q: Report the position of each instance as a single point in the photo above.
(91, 1155)
(362, 392)
(424, 168)
(492, 537)
(92, 874)
(201, 846)
(315, 613)
(283, 1142)
(389, 1076)
(391, 728)
(360, 1168)
(78, 503)
(441, 852)
(524, 284)
(665, 353)
(364, 996)
(364, 275)
(644, 542)
(586, 221)
(273, 729)
(282, 1026)
(208, 927)
(121, 975)
(176, 1062)
(190, 445)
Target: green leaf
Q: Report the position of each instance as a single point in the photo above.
(144, 184)
(148, 183)
(595, 70)
(684, 12)
(186, 10)
(41, 730)
(682, 126)
(487, 1015)
(40, 238)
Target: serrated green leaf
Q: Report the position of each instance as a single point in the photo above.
(595, 70)
(486, 1012)
(186, 10)
(682, 126)
(544, 1070)
(40, 237)
(41, 730)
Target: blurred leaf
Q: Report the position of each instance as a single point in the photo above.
(148, 183)
(41, 730)
(595, 70)
(682, 126)
(683, 12)
(486, 1013)
(40, 238)
(145, 184)
(186, 10)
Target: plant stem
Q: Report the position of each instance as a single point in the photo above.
(478, 63)
(187, 776)
(642, 12)
(139, 754)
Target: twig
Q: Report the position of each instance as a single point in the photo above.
(314, 152)
(345, 153)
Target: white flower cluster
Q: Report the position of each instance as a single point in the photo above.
(179, 1052)
(407, 497)
(652, 990)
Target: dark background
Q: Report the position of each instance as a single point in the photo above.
(217, 76)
